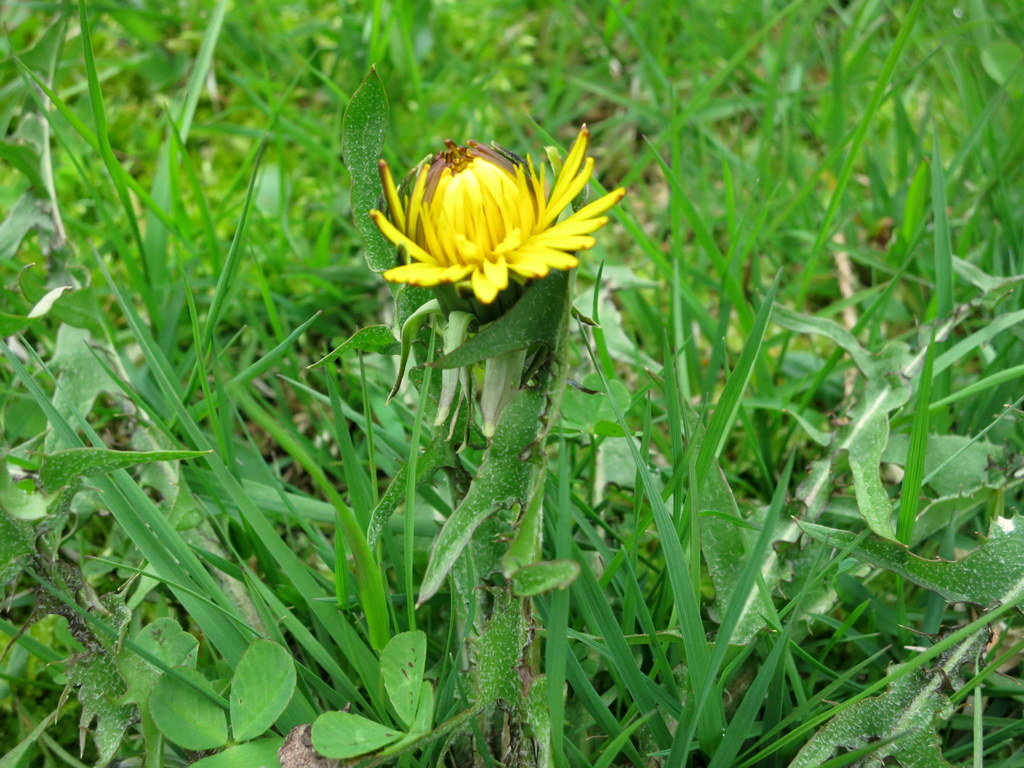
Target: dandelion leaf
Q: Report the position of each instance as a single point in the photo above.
(897, 727)
(992, 573)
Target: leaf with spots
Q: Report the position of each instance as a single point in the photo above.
(401, 666)
(897, 727)
(991, 573)
(62, 468)
(342, 735)
(362, 139)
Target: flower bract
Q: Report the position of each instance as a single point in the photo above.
(478, 215)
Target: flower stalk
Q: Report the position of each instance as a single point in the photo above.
(497, 244)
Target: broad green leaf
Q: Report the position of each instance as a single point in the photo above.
(421, 724)
(81, 380)
(45, 304)
(588, 410)
(261, 689)
(375, 338)
(401, 667)
(992, 570)
(342, 735)
(184, 715)
(994, 289)
(255, 754)
(801, 323)
(362, 140)
(954, 465)
(1002, 60)
(900, 723)
(543, 577)
(62, 468)
(12, 324)
(165, 640)
(24, 158)
(533, 320)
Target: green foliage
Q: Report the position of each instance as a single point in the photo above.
(401, 668)
(184, 708)
(752, 534)
(990, 574)
(261, 688)
(362, 142)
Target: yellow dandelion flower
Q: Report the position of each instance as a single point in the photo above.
(480, 216)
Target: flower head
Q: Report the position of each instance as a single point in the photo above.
(480, 216)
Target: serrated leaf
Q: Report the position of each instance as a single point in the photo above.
(62, 468)
(375, 338)
(401, 667)
(541, 578)
(802, 323)
(255, 754)
(100, 687)
(81, 380)
(363, 130)
(261, 688)
(985, 576)
(341, 735)
(899, 723)
(184, 715)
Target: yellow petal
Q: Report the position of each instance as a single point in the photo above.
(425, 275)
(573, 227)
(529, 268)
(563, 243)
(484, 289)
(557, 203)
(398, 238)
(391, 195)
(572, 163)
(497, 272)
(537, 254)
(599, 206)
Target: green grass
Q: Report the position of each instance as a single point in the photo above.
(809, 309)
